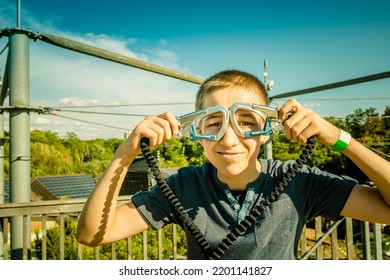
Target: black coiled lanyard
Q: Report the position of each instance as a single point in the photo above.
(240, 229)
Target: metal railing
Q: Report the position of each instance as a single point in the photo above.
(44, 213)
(314, 244)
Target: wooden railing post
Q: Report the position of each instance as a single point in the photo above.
(174, 241)
(349, 239)
(334, 244)
(44, 237)
(377, 232)
(318, 230)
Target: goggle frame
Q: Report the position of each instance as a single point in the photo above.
(189, 122)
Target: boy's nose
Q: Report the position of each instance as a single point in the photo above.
(230, 138)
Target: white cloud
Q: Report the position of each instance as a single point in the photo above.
(109, 43)
(38, 121)
(77, 101)
(163, 42)
(60, 77)
(312, 105)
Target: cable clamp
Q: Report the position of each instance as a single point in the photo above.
(12, 30)
(39, 110)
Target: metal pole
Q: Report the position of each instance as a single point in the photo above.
(2, 195)
(321, 239)
(377, 232)
(1, 175)
(19, 124)
(3, 95)
(268, 149)
(366, 240)
(110, 56)
(268, 144)
(18, 21)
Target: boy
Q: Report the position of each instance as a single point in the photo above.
(220, 193)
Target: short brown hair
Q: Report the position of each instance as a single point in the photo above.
(231, 78)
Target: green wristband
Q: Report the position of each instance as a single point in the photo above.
(343, 141)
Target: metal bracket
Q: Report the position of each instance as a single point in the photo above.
(39, 110)
(10, 31)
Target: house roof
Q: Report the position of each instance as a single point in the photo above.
(61, 186)
(56, 187)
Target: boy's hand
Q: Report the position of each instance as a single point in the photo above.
(301, 123)
(156, 128)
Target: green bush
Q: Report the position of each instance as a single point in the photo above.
(105, 251)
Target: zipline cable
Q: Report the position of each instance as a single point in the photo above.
(359, 80)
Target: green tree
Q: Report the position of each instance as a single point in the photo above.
(369, 128)
(386, 118)
(48, 159)
(112, 144)
(46, 137)
(53, 242)
(171, 154)
(77, 149)
(386, 123)
(48, 155)
(323, 157)
(365, 123)
(193, 151)
(105, 251)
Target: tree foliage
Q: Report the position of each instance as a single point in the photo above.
(367, 126)
(106, 251)
(52, 155)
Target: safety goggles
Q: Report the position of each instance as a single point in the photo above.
(247, 120)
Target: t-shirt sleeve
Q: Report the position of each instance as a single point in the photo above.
(153, 206)
(327, 193)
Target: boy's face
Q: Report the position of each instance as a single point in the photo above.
(233, 155)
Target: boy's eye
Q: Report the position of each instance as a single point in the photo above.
(246, 123)
(214, 120)
(248, 120)
(211, 124)
(215, 124)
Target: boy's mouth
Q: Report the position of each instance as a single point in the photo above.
(230, 155)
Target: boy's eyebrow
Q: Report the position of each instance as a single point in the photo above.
(248, 114)
(212, 119)
(245, 114)
(214, 116)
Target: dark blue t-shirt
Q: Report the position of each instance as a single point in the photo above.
(215, 211)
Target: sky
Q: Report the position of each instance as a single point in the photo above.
(305, 43)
